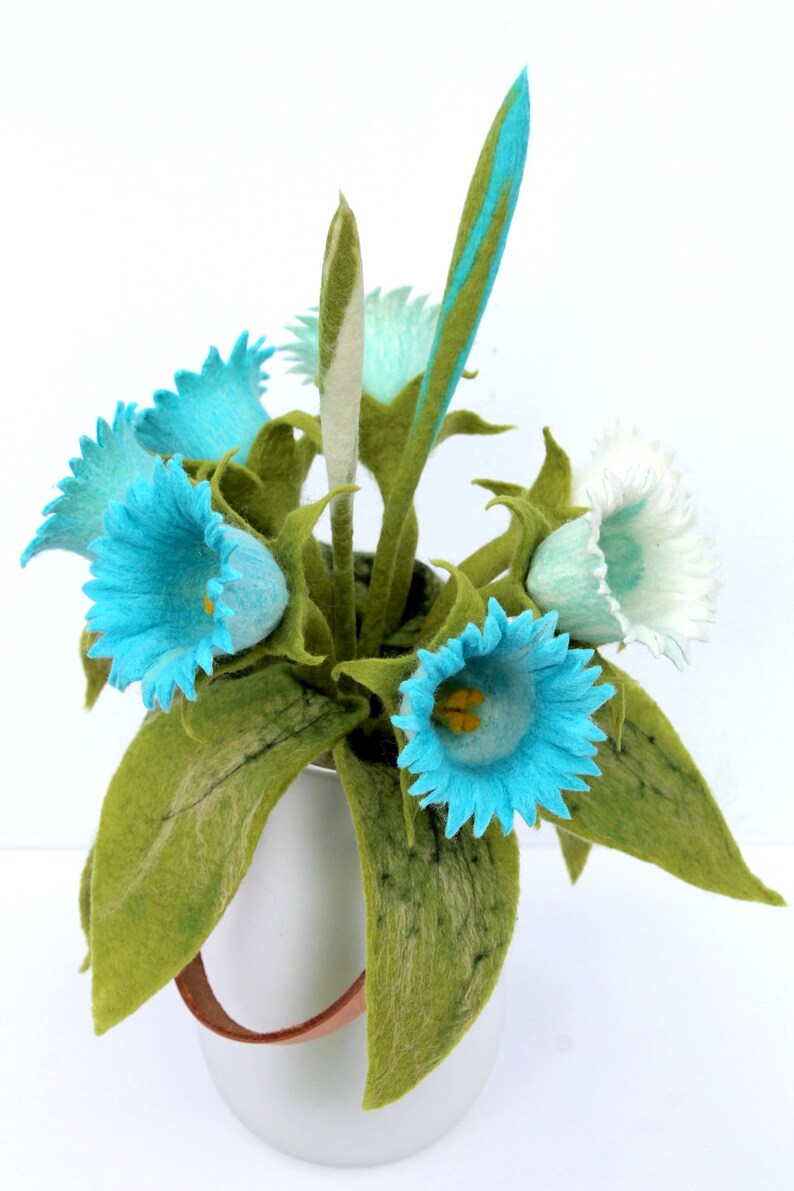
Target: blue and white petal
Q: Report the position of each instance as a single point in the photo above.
(633, 568)
(175, 586)
(398, 336)
(534, 736)
(99, 475)
(213, 410)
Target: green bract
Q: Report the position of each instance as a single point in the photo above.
(379, 663)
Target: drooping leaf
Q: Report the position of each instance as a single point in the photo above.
(181, 820)
(652, 802)
(440, 915)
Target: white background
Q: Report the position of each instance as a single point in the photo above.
(169, 171)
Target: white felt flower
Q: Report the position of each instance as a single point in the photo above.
(621, 453)
(633, 568)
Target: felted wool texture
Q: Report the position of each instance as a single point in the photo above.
(621, 453)
(651, 802)
(174, 587)
(575, 853)
(101, 474)
(440, 916)
(211, 411)
(182, 818)
(535, 736)
(398, 335)
(481, 238)
(341, 347)
(631, 569)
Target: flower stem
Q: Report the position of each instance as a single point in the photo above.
(343, 578)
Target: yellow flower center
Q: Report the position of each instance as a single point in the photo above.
(455, 710)
(209, 606)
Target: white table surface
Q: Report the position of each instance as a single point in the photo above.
(648, 1046)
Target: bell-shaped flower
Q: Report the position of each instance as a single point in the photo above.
(621, 453)
(176, 586)
(632, 568)
(101, 474)
(212, 411)
(498, 720)
(398, 336)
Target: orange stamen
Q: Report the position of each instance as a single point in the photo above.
(455, 710)
(209, 606)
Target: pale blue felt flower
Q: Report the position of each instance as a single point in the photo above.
(633, 567)
(175, 586)
(100, 475)
(213, 410)
(498, 720)
(398, 335)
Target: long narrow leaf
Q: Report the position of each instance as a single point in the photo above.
(341, 333)
(480, 242)
(479, 245)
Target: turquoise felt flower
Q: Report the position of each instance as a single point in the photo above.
(211, 411)
(100, 475)
(398, 336)
(175, 586)
(498, 720)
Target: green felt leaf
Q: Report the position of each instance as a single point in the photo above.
(85, 907)
(303, 625)
(501, 487)
(463, 421)
(530, 526)
(652, 802)
(383, 430)
(480, 242)
(575, 852)
(613, 714)
(381, 676)
(552, 488)
(468, 607)
(281, 463)
(440, 915)
(341, 358)
(96, 670)
(181, 820)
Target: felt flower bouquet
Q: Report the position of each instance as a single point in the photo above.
(449, 698)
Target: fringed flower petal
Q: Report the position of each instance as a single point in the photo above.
(398, 336)
(498, 721)
(175, 586)
(99, 475)
(621, 453)
(632, 568)
(213, 410)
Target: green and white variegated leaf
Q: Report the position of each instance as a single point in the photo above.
(182, 817)
(341, 371)
(341, 346)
